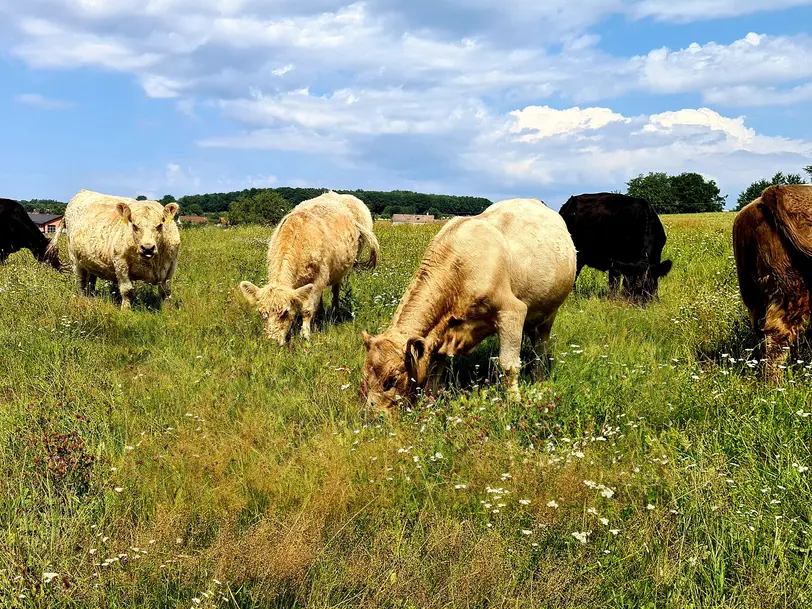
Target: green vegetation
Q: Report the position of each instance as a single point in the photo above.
(175, 458)
(753, 192)
(265, 207)
(685, 193)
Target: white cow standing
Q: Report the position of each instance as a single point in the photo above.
(121, 240)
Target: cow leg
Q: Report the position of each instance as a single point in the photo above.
(336, 298)
(165, 287)
(614, 282)
(309, 309)
(91, 284)
(435, 377)
(510, 323)
(82, 279)
(125, 286)
(540, 335)
(782, 325)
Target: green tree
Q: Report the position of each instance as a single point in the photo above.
(140, 198)
(682, 194)
(808, 169)
(192, 210)
(167, 199)
(694, 194)
(656, 189)
(265, 207)
(753, 192)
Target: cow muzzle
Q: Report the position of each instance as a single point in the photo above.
(147, 252)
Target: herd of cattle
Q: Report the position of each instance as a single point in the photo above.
(506, 271)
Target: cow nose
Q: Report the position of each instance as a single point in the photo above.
(147, 251)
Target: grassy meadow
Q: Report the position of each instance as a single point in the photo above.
(176, 458)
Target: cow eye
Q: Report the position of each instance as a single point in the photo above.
(284, 315)
(159, 227)
(389, 383)
(135, 228)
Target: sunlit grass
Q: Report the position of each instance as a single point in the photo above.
(176, 458)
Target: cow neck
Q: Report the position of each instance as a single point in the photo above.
(283, 267)
(425, 309)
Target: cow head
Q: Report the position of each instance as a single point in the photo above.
(278, 305)
(146, 223)
(641, 281)
(395, 367)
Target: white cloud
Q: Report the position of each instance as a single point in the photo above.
(36, 100)
(466, 86)
(546, 122)
(687, 140)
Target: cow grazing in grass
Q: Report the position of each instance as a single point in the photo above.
(121, 240)
(312, 248)
(622, 235)
(772, 244)
(17, 232)
(506, 271)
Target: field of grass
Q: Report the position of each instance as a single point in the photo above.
(176, 458)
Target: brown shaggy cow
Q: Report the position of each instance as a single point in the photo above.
(772, 244)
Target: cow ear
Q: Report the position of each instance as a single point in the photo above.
(170, 210)
(304, 292)
(250, 292)
(415, 358)
(124, 211)
(367, 339)
(664, 268)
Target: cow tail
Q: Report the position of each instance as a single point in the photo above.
(368, 237)
(52, 251)
(788, 222)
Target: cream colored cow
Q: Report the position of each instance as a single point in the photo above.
(312, 248)
(505, 271)
(121, 240)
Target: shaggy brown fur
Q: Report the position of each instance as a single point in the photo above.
(772, 244)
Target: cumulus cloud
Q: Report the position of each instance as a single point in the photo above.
(616, 148)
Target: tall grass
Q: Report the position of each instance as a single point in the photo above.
(163, 458)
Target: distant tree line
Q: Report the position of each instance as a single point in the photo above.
(380, 203)
(44, 206)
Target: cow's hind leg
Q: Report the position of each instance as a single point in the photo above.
(782, 326)
(510, 324)
(83, 279)
(540, 337)
(614, 282)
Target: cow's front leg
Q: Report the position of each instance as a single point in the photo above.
(165, 290)
(510, 323)
(125, 286)
(309, 309)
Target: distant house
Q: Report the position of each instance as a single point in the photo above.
(193, 219)
(411, 219)
(46, 223)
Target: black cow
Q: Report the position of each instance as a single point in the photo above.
(622, 235)
(17, 232)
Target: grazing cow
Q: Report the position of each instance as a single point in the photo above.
(622, 235)
(17, 232)
(313, 248)
(121, 240)
(505, 271)
(772, 245)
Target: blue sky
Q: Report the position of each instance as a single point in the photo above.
(477, 97)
